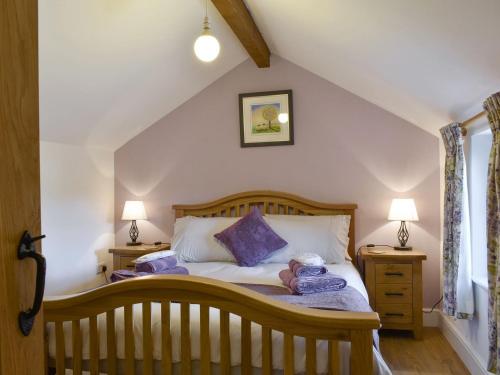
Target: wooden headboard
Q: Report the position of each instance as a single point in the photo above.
(270, 202)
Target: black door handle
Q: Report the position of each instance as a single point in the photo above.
(26, 249)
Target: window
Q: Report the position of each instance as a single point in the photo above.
(478, 146)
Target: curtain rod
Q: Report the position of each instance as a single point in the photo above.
(470, 120)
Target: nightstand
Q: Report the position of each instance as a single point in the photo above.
(394, 283)
(123, 256)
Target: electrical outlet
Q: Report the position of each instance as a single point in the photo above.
(101, 268)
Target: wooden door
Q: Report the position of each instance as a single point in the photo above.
(19, 183)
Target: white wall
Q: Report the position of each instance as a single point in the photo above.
(77, 195)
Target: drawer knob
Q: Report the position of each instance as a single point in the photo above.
(394, 274)
(394, 314)
(393, 294)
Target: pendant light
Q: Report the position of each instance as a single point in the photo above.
(206, 46)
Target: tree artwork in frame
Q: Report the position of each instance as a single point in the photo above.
(266, 118)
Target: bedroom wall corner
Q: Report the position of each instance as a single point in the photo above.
(77, 198)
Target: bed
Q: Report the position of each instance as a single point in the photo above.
(205, 323)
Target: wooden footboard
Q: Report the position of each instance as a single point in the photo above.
(251, 306)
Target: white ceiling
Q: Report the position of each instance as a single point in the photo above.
(111, 68)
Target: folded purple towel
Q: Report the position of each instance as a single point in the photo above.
(156, 265)
(128, 274)
(312, 284)
(177, 270)
(119, 275)
(300, 270)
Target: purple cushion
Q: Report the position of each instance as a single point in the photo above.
(250, 239)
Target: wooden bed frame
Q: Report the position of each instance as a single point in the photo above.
(292, 320)
(269, 202)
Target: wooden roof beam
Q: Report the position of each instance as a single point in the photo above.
(241, 22)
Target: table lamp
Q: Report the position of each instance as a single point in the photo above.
(403, 210)
(134, 210)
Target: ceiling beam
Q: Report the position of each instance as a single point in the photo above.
(241, 22)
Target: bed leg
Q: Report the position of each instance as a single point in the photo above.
(361, 352)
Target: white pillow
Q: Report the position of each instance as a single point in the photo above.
(194, 240)
(327, 236)
(153, 256)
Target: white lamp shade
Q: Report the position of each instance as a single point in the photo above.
(134, 210)
(403, 210)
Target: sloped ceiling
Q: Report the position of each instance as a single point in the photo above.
(111, 68)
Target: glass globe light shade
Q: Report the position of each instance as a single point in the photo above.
(206, 47)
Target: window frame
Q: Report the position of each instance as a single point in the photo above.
(481, 127)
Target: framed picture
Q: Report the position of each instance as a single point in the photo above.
(266, 118)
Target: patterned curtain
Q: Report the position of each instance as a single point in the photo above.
(458, 293)
(492, 107)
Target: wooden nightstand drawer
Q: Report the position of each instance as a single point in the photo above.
(126, 263)
(393, 273)
(395, 313)
(393, 293)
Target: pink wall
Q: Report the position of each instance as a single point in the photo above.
(346, 150)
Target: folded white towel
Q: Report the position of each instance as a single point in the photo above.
(156, 255)
(310, 259)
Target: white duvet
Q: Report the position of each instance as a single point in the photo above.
(261, 274)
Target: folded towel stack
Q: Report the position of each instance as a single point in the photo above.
(163, 263)
(301, 278)
(300, 269)
(156, 265)
(128, 274)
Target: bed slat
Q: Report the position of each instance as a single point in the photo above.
(246, 346)
(205, 339)
(166, 340)
(60, 355)
(185, 339)
(147, 341)
(77, 347)
(129, 340)
(267, 351)
(225, 342)
(94, 346)
(333, 357)
(310, 356)
(111, 342)
(288, 355)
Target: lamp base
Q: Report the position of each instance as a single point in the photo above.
(134, 243)
(403, 248)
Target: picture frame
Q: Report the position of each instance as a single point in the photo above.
(266, 118)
